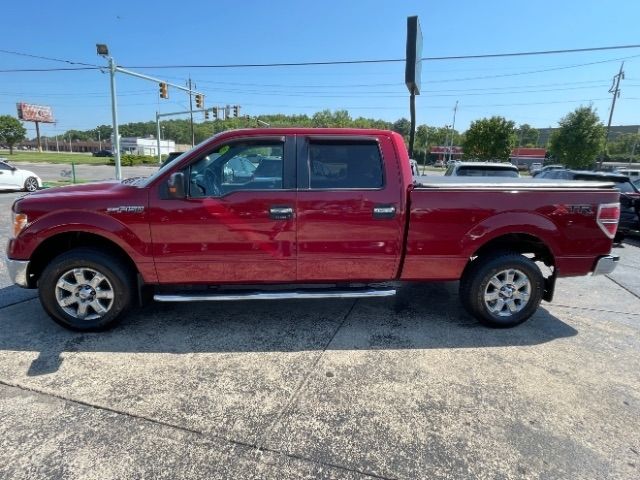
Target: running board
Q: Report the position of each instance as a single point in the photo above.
(299, 294)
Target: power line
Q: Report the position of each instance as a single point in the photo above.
(529, 72)
(62, 69)
(71, 62)
(386, 60)
(353, 62)
(539, 52)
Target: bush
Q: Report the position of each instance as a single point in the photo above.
(128, 160)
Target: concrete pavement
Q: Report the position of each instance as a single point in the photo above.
(410, 387)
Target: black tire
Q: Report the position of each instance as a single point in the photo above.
(31, 184)
(476, 292)
(118, 279)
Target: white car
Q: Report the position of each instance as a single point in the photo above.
(13, 178)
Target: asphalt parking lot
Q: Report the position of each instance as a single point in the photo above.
(410, 387)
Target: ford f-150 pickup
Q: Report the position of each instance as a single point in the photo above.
(314, 213)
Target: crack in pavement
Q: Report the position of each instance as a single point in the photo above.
(593, 309)
(303, 382)
(2, 307)
(623, 287)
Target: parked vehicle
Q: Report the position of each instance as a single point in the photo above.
(535, 167)
(631, 173)
(482, 169)
(535, 173)
(103, 153)
(14, 178)
(345, 219)
(629, 195)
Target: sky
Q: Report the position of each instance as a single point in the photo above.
(537, 90)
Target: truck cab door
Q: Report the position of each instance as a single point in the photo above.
(236, 223)
(350, 209)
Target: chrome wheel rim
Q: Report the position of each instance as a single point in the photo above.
(507, 293)
(84, 293)
(32, 184)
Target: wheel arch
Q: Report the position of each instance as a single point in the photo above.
(526, 244)
(63, 242)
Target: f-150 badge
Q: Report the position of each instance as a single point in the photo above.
(126, 209)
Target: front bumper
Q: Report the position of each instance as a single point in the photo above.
(606, 264)
(18, 271)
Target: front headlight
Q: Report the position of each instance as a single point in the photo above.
(19, 221)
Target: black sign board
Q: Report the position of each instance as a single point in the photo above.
(413, 69)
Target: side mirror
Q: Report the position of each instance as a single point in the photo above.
(175, 186)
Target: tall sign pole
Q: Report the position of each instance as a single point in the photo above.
(413, 71)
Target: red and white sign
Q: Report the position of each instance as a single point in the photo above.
(35, 113)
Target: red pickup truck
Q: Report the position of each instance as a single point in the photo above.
(305, 213)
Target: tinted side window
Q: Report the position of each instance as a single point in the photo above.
(345, 164)
(237, 166)
(4, 166)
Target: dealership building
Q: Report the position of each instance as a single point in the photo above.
(146, 146)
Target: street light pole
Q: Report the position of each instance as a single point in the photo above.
(114, 118)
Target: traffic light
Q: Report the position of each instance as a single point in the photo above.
(199, 100)
(236, 111)
(227, 111)
(164, 91)
(206, 114)
(214, 113)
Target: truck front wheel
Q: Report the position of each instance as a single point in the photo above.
(85, 289)
(502, 290)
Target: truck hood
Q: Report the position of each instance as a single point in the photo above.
(89, 196)
(80, 189)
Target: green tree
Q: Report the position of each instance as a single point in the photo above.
(579, 139)
(402, 126)
(490, 139)
(527, 135)
(11, 131)
(625, 145)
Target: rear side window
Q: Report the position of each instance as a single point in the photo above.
(345, 164)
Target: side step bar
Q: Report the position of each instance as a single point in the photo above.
(298, 294)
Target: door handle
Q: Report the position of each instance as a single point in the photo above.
(280, 213)
(384, 211)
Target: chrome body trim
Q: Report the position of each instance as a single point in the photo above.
(18, 271)
(606, 264)
(225, 297)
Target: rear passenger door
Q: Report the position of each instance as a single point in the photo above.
(349, 209)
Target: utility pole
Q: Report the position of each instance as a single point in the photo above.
(453, 128)
(615, 89)
(193, 136)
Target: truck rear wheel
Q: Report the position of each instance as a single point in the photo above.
(502, 290)
(85, 289)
